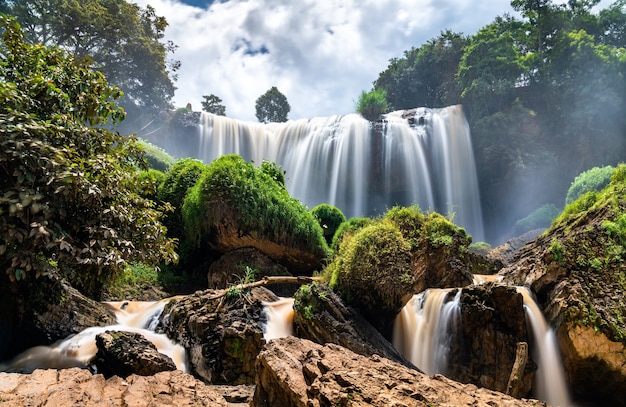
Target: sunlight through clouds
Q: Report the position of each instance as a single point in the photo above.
(318, 53)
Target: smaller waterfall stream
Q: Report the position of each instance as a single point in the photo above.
(279, 316)
(80, 349)
(422, 329)
(550, 380)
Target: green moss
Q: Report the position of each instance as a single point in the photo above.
(439, 231)
(347, 229)
(374, 266)
(156, 157)
(594, 179)
(330, 218)
(409, 220)
(232, 188)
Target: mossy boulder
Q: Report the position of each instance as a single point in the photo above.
(330, 218)
(235, 204)
(373, 273)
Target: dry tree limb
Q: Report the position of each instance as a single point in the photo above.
(268, 280)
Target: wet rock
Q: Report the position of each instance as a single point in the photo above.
(233, 266)
(78, 387)
(222, 335)
(297, 372)
(124, 353)
(321, 316)
(484, 350)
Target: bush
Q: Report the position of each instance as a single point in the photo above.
(347, 229)
(594, 179)
(232, 188)
(440, 232)
(541, 217)
(329, 218)
(372, 271)
(372, 104)
(156, 157)
(149, 181)
(409, 221)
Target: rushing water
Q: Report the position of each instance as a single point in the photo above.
(80, 349)
(550, 383)
(422, 333)
(422, 329)
(279, 316)
(426, 160)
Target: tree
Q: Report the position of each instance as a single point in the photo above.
(124, 41)
(213, 104)
(272, 106)
(69, 199)
(425, 76)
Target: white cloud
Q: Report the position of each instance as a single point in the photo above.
(320, 53)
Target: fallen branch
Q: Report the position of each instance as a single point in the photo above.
(268, 281)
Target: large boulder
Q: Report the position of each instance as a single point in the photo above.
(222, 334)
(296, 372)
(44, 311)
(78, 387)
(491, 330)
(321, 316)
(124, 353)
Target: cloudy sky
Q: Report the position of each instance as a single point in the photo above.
(319, 53)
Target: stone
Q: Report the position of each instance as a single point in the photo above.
(297, 372)
(79, 387)
(124, 353)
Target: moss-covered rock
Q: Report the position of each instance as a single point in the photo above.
(235, 204)
(330, 218)
(373, 273)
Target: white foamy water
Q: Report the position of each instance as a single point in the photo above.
(279, 316)
(422, 329)
(78, 350)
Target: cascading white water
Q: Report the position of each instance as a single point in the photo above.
(422, 329)
(550, 381)
(78, 350)
(279, 319)
(427, 160)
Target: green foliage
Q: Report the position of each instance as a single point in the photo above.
(373, 267)
(213, 104)
(372, 104)
(156, 157)
(124, 40)
(440, 232)
(148, 181)
(347, 229)
(594, 179)
(272, 107)
(541, 217)
(557, 251)
(274, 171)
(232, 188)
(329, 218)
(67, 189)
(409, 221)
(133, 282)
(425, 76)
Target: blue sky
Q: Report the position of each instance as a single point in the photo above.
(320, 53)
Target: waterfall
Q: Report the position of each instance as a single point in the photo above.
(423, 156)
(550, 381)
(80, 349)
(422, 329)
(279, 319)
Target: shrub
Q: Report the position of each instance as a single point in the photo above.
(347, 229)
(329, 218)
(372, 104)
(541, 217)
(439, 231)
(409, 220)
(156, 157)
(149, 181)
(594, 179)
